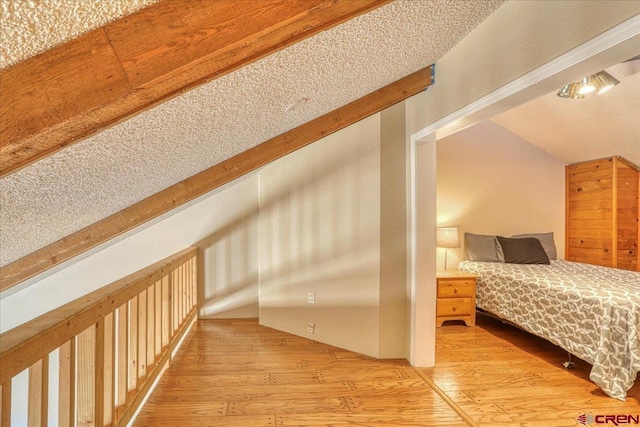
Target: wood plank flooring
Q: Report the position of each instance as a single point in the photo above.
(238, 373)
(502, 376)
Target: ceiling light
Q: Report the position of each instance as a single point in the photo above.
(599, 83)
(604, 81)
(587, 85)
(571, 91)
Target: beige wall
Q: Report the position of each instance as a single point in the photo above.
(320, 232)
(490, 181)
(393, 233)
(329, 213)
(229, 258)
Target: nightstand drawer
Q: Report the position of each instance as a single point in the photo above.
(454, 306)
(456, 288)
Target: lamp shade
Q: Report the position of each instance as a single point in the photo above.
(447, 237)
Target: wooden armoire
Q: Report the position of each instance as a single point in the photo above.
(602, 213)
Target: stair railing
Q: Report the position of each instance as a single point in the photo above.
(110, 346)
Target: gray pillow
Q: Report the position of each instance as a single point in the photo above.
(481, 247)
(547, 242)
(523, 250)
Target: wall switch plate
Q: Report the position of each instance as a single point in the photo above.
(311, 298)
(311, 327)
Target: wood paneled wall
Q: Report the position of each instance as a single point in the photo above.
(602, 213)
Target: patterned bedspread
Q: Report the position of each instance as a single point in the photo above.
(592, 312)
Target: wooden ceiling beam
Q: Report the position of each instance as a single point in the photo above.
(212, 178)
(112, 73)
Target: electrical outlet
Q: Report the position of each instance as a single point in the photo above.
(311, 298)
(311, 327)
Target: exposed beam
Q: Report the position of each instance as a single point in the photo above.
(212, 178)
(107, 75)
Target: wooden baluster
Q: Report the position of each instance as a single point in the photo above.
(35, 395)
(189, 286)
(142, 337)
(85, 371)
(182, 299)
(187, 289)
(180, 295)
(121, 339)
(158, 322)
(132, 349)
(185, 302)
(189, 282)
(194, 278)
(67, 384)
(151, 332)
(166, 309)
(99, 369)
(177, 301)
(5, 405)
(104, 363)
(174, 303)
(36, 382)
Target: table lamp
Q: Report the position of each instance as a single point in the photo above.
(447, 237)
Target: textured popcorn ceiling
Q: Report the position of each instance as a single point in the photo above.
(104, 174)
(30, 27)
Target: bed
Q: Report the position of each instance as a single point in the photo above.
(592, 312)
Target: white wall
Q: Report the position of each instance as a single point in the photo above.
(333, 222)
(223, 224)
(491, 181)
(320, 232)
(229, 270)
(393, 234)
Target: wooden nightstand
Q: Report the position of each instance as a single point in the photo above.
(456, 297)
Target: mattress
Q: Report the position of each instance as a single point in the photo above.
(592, 312)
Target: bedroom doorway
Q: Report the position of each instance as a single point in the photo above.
(609, 48)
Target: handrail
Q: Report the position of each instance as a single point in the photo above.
(113, 342)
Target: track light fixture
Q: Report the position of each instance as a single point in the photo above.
(599, 82)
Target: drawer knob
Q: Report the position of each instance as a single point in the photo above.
(455, 290)
(455, 308)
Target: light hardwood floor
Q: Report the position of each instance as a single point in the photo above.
(238, 373)
(502, 376)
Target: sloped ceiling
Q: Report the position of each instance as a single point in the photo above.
(32, 27)
(595, 127)
(101, 175)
